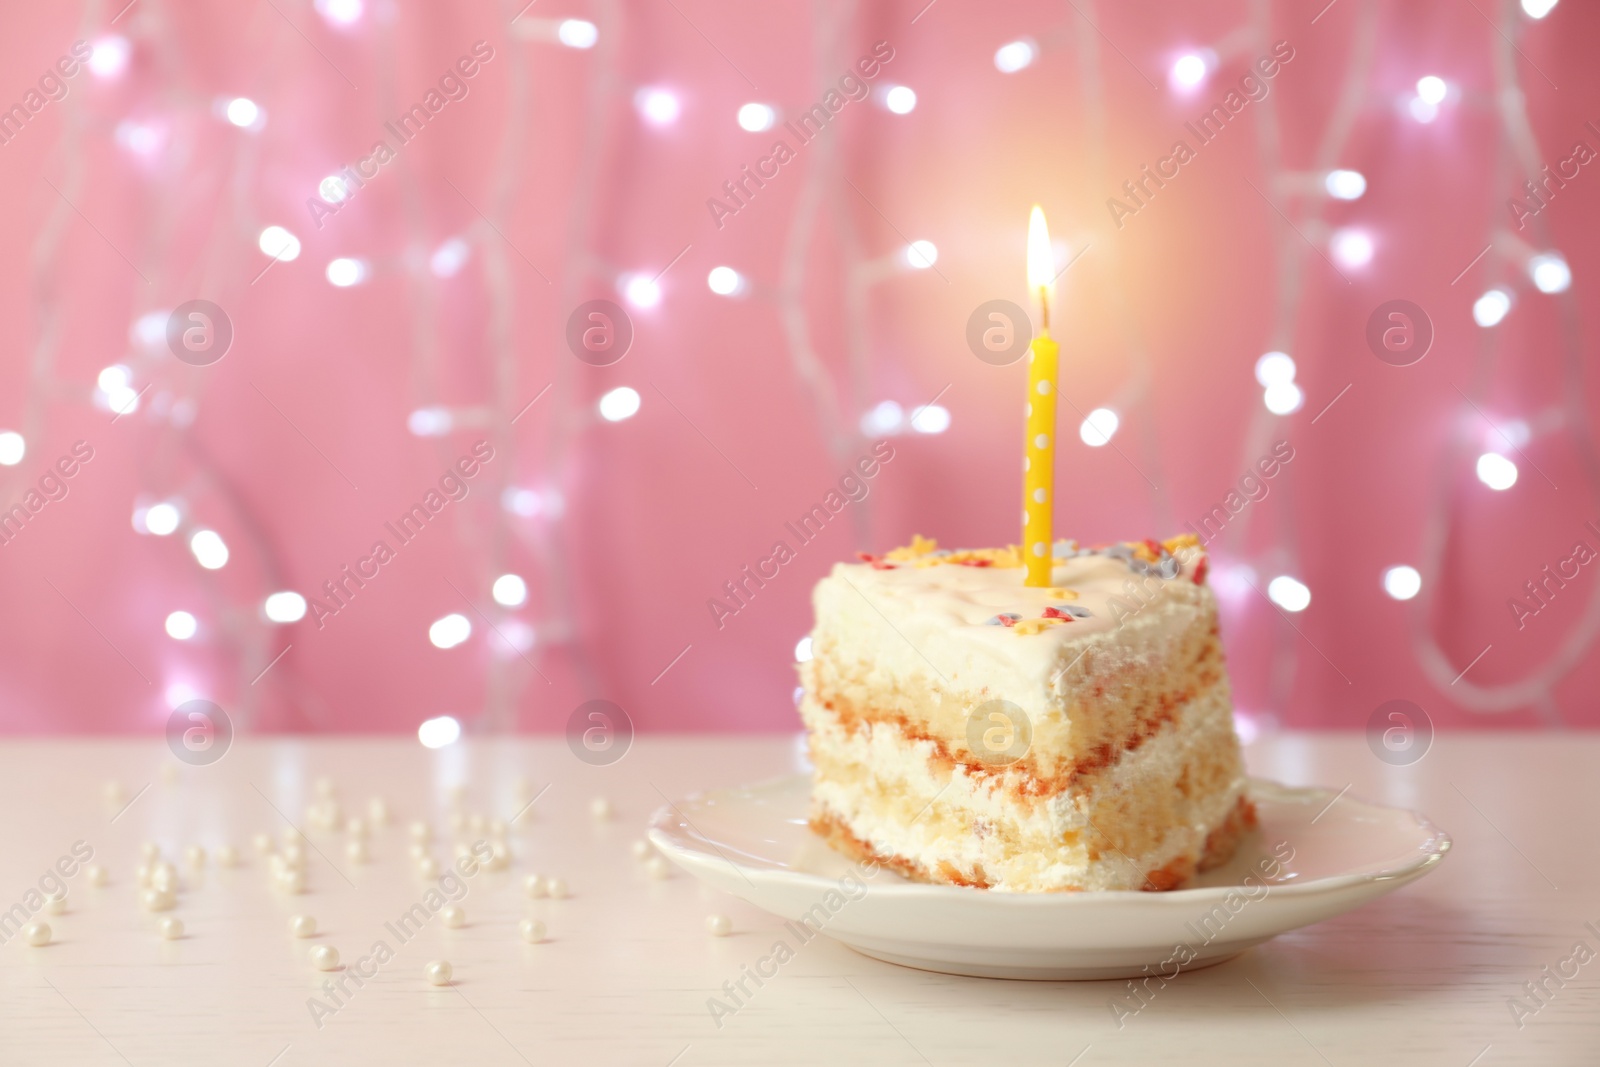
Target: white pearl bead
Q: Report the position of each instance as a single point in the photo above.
(302, 926)
(658, 868)
(378, 811)
(324, 957)
(719, 925)
(150, 851)
(57, 905)
(497, 828)
(113, 792)
(141, 874)
(499, 856)
(158, 899)
(532, 931)
(195, 855)
(171, 928)
(262, 842)
(38, 934)
(641, 849)
(227, 856)
(463, 850)
(428, 867)
(294, 854)
(356, 827)
(98, 875)
(534, 884)
(357, 851)
(324, 786)
(476, 823)
(164, 878)
(293, 880)
(288, 834)
(556, 887)
(454, 916)
(600, 808)
(421, 831)
(439, 972)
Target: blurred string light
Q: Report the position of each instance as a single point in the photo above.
(1015, 55)
(1491, 307)
(1402, 582)
(12, 448)
(450, 631)
(339, 12)
(1190, 69)
(1345, 184)
(333, 189)
(931, 419)
(802, 649)
(578, 33)
(725, 281)
(1288, 593)
(439, 732)
(345, 272)
(181, 626)
(883, 419)
(115, 391)
(641, 291)
(279, 243)
(1352, 248)
(757, 117)
(920, 255)
(108, 57)
(620, 403)
(510, 591)
(658, 107)
(242, 112)
(1431, 92)
(1537, 9)
(900, 99)
(284, 607)
(209, 549)
(1496, 471)
(1098, 427)
(1275, 373)
(1550, 273)
(161, 519)
(449, 258)
(430, 422)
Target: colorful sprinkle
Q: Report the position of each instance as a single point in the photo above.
(1004, 619)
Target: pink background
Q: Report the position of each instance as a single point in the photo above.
(132, 196)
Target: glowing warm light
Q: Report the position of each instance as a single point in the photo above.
(724, 281)
(333, 189)
(449, 258)
(1550, 273)
(161, 519)
(345, 272)
(1041, 259)
(1345, 184)
(931, 419)
(1496, 471)
(11, 448)
(757, 117)
(439, 732)
(885, 418)
(901, 99)
(659, 107)
(1288, 593)
(577, 33)
(1098, 427)
(524, 502)
(124, 401)
(621, 403)
(109, 57)
(285, 607)
(1283, 398)
(921, 254)
(641, 292)
(1189, 71)
(450, 631)
(279, 243)
(1402, 582)
(1423, 111)
(1275, 368)
(1537, 9)
(339, 12)
(430, 422)
(242, 111)
(117, 376)
(802, 649)
(1491, 307)
(181, 626)
(208, 548)
(1432, 89)
(1352, 248)
(1015, 56)
(510, 590)
(179, 694)
(150, 329)
(140, 138)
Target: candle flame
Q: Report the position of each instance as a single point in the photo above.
(1041, 260)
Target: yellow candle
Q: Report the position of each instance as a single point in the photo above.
(1039, 466)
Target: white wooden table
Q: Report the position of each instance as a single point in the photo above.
(1420, 977)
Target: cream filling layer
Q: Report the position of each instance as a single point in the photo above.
(1153, 805)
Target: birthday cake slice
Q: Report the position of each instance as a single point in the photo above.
(968, 729)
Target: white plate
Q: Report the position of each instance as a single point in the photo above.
(753, 842)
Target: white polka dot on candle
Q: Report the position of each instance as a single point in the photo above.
(1040, 548)
(1040, 496)
(1044, 388)
(1042, 441)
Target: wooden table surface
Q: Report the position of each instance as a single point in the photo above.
(1425, 976)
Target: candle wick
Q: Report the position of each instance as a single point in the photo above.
(1044, 308)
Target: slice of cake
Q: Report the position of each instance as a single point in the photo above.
(966, 728)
